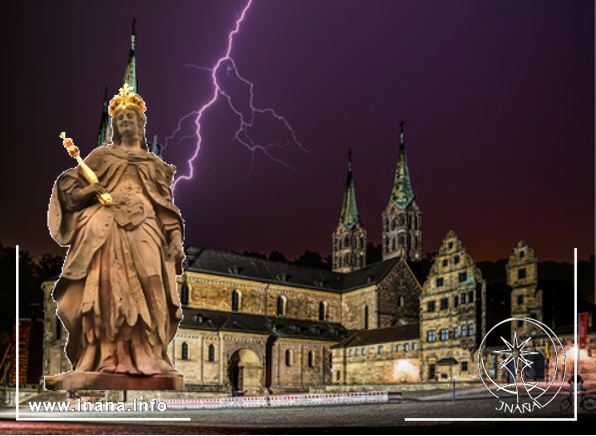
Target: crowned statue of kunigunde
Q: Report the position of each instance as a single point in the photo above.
(117, 295)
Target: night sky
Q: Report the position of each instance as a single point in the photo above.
(497, 97)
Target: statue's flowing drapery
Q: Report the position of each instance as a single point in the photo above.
(117, 294)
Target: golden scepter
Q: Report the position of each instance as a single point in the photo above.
(105, 198)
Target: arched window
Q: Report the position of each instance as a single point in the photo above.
(211, 354)
(288, 358)
(184, 351)
(401, 301)
(282, 304)
(347, 260)
(58, 328)
(366, 317)
(184, 293)
(393, 244)
(236, 300)
(322, 311)
(347, 241)
(401, 220)
(311, 359)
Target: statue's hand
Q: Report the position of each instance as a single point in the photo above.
(175, 249)
(83, 196)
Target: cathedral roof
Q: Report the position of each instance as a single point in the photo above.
(349, 216)
(381, 336)
(235, 265)
(402, 193)
(215, 320)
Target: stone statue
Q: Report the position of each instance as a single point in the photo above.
(117, 295)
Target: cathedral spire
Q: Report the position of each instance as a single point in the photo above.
(105, 128)
(349, 216)
(402, 193)
(130, 74)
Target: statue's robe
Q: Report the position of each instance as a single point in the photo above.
(117, 280)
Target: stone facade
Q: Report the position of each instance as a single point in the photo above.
(452, 314)
(388, 356)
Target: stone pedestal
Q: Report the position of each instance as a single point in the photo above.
(78, 381)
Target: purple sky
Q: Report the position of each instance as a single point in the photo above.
(497, 97)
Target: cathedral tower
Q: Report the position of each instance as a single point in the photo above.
(402, 219)
(349, 238)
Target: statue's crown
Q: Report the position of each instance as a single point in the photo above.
(126, 98)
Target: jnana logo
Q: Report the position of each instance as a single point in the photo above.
(517, 370)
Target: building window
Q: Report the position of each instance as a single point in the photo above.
(463, 276)
(445, 262)
(464, 330)
(520, 322)
(456, 332)
(366, 317)
(406, 347)
(211, 353)
(430, 336)
(397, 348)
(470, 296)
(414, 346)
(288, 358)
(311, 359)
(521, 273)
(464, 366)
(184, 293)
(322, 311)
(439, 282)
(235, 300)
(456, 260)
(522, 254)
(471, 329)
(338, 375)
(350, 352)
(380, 349)
(444, 303)
(430, 306)
(450, 245)
(363, 351)
(401, 301)
(184, 351)
(520, 300)
(357, 352)
(282, 303)
(444, 334)
(455, 301)
(463, 298)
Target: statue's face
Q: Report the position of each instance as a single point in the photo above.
(127, 123)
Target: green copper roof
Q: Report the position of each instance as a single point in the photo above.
(349, 216)
(130, 74)
(105, 128)
(402, 193)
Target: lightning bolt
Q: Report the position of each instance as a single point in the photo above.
(246, 118)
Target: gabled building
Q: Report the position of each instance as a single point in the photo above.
(452, 314)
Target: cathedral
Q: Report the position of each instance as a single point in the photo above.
(260, 326)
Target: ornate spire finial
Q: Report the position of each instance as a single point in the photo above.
(133, 34)
(401, 134)
(350, 159)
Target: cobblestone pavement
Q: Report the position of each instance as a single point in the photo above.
(337, 419)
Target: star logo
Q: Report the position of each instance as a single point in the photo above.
(516, 355)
